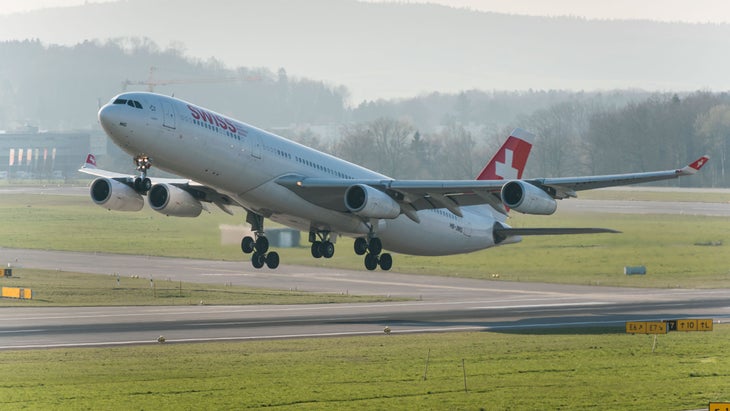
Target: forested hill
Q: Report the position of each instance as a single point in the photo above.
(59, 87)
(400, 49)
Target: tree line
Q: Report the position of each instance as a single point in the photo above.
(573, 138)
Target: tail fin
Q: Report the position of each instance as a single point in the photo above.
(509, 162)
(90, 161)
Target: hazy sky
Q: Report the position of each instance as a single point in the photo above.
(695, 11)
(701, 11)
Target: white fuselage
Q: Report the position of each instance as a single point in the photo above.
(244, 162)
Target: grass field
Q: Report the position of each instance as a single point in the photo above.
(57, 288)
(592, 368)
(678, 251)
(567, 369)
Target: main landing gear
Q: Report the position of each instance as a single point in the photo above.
(142, 184)
(371, 248)
(259, 247)
(321, 247)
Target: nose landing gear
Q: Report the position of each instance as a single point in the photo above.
(142, 184)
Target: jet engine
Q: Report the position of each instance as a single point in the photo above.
(527, 198)
(172, 201)
(114, 195)
(365, 201)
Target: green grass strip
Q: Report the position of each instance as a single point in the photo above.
(58, 288)
(566, 369)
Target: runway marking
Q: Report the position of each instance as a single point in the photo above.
(409, 286)
(310, 335)
(434, 286)
(303, 320)
(72, 345)
(255, 309)
(586, 304)
(21, 331)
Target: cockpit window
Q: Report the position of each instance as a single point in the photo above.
(130, 103)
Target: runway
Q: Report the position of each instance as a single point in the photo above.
(438, 305)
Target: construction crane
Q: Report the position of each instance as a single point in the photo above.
(151, 82)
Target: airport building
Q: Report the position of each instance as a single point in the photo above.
(33, 155)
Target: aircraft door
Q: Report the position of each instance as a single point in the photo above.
(467, 229)
(255, 141)
(168, 115)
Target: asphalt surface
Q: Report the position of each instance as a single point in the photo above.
(438, 305)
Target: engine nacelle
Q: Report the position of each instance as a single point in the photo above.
(527, 198)
(172, 201)
(113, 195)
(365, 201)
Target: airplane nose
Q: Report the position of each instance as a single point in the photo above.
(109, 118)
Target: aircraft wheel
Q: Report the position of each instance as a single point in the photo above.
(371, 261)
(258, 259)
(247, 245)
(375, 246)
(262, 245)
(361, 246)
(386, 262)
(272, 260)
(317, 249)
(328, 249)
(142, 185)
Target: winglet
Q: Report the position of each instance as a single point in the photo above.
(695, 166)
(90, 161)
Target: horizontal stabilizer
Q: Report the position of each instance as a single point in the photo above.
(509, 232)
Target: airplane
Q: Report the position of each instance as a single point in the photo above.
(229, 163)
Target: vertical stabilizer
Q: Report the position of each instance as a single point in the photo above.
(509, 162)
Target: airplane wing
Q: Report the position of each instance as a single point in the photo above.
(414, 195)
(567, 186)
(199, 191)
